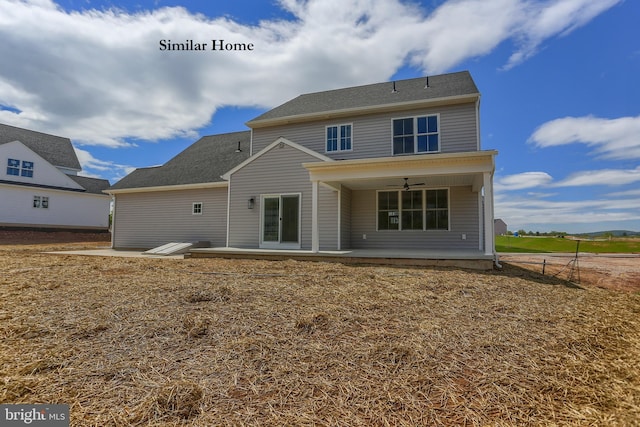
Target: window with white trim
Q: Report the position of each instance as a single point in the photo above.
(413, 135)
(338, 138)
(41, 202)
(196, 208)
(16, 167)
(413, 210)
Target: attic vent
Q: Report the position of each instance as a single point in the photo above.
(238, 150)
(426, 86)
(394, 88)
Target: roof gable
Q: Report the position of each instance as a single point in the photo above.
(364, 98)
(202, 162)
(44, 173)
(269, 147)
(54, 149)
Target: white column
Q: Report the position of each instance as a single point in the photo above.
(315, 235)
(489, 238)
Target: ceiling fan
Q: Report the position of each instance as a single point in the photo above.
(406, 186)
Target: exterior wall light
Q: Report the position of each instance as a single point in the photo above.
(251, 202)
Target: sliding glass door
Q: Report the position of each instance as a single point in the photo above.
(281, 221)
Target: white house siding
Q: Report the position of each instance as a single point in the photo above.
(43, 172)
(463, 206)
(278, 171)
(67, 209)
(372, 133)
(147, 220)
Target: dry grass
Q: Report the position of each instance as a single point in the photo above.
(203, 342)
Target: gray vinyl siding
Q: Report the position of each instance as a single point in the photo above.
(148, 220)
(279, 171)
(372, 133)
(463, 217)
(328, 218)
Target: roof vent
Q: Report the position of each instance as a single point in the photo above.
(238, 150)
(394, 88)
(426, 86)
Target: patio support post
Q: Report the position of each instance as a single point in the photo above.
(315, 235)
(489, 245)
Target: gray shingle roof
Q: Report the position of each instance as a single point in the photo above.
(378, 94)
(91, 185)
(204, 161)
(56, 150)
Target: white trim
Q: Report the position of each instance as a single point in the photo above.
(489, 244)
(339, 246)
(193, 208)
(219, 184)
(403, 166)
(424, 211)
(478, 144)
(315, 232)
(269, 147)
(335, 114)
(415, 134)
(228, 213)
(278, 245)
(338, 149)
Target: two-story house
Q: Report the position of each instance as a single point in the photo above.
(40, 186)
(394, 165)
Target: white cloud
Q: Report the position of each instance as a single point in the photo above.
(523, 180)
(610, 138)
(98, 77)
(557, 17)
(90, 163)
(517, 211)
(601, 177)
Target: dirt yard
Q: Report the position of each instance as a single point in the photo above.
(619, 272)
(201, 342)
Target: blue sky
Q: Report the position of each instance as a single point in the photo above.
(560, 83)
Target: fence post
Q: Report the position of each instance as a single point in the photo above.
(544, 264)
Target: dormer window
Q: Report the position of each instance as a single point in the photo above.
(16, 167)
(339, 138)
(414, 135)
(13, 167)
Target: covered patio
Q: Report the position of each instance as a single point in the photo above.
(473, 170)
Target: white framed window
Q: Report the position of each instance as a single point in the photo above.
(422, 210)
(16, 167)
(13, 167)
(41, 202)
(196, 208)
(339, 137)
(413, 135)
(27, 169)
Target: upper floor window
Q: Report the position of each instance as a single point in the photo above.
(339, 138)
(16, 167)
(416, 135)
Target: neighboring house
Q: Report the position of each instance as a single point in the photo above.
(499, 227)
(39, 185)
(393, 165)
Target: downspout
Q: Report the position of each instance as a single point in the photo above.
(496, 260)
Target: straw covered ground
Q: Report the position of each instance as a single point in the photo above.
(200, 342)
